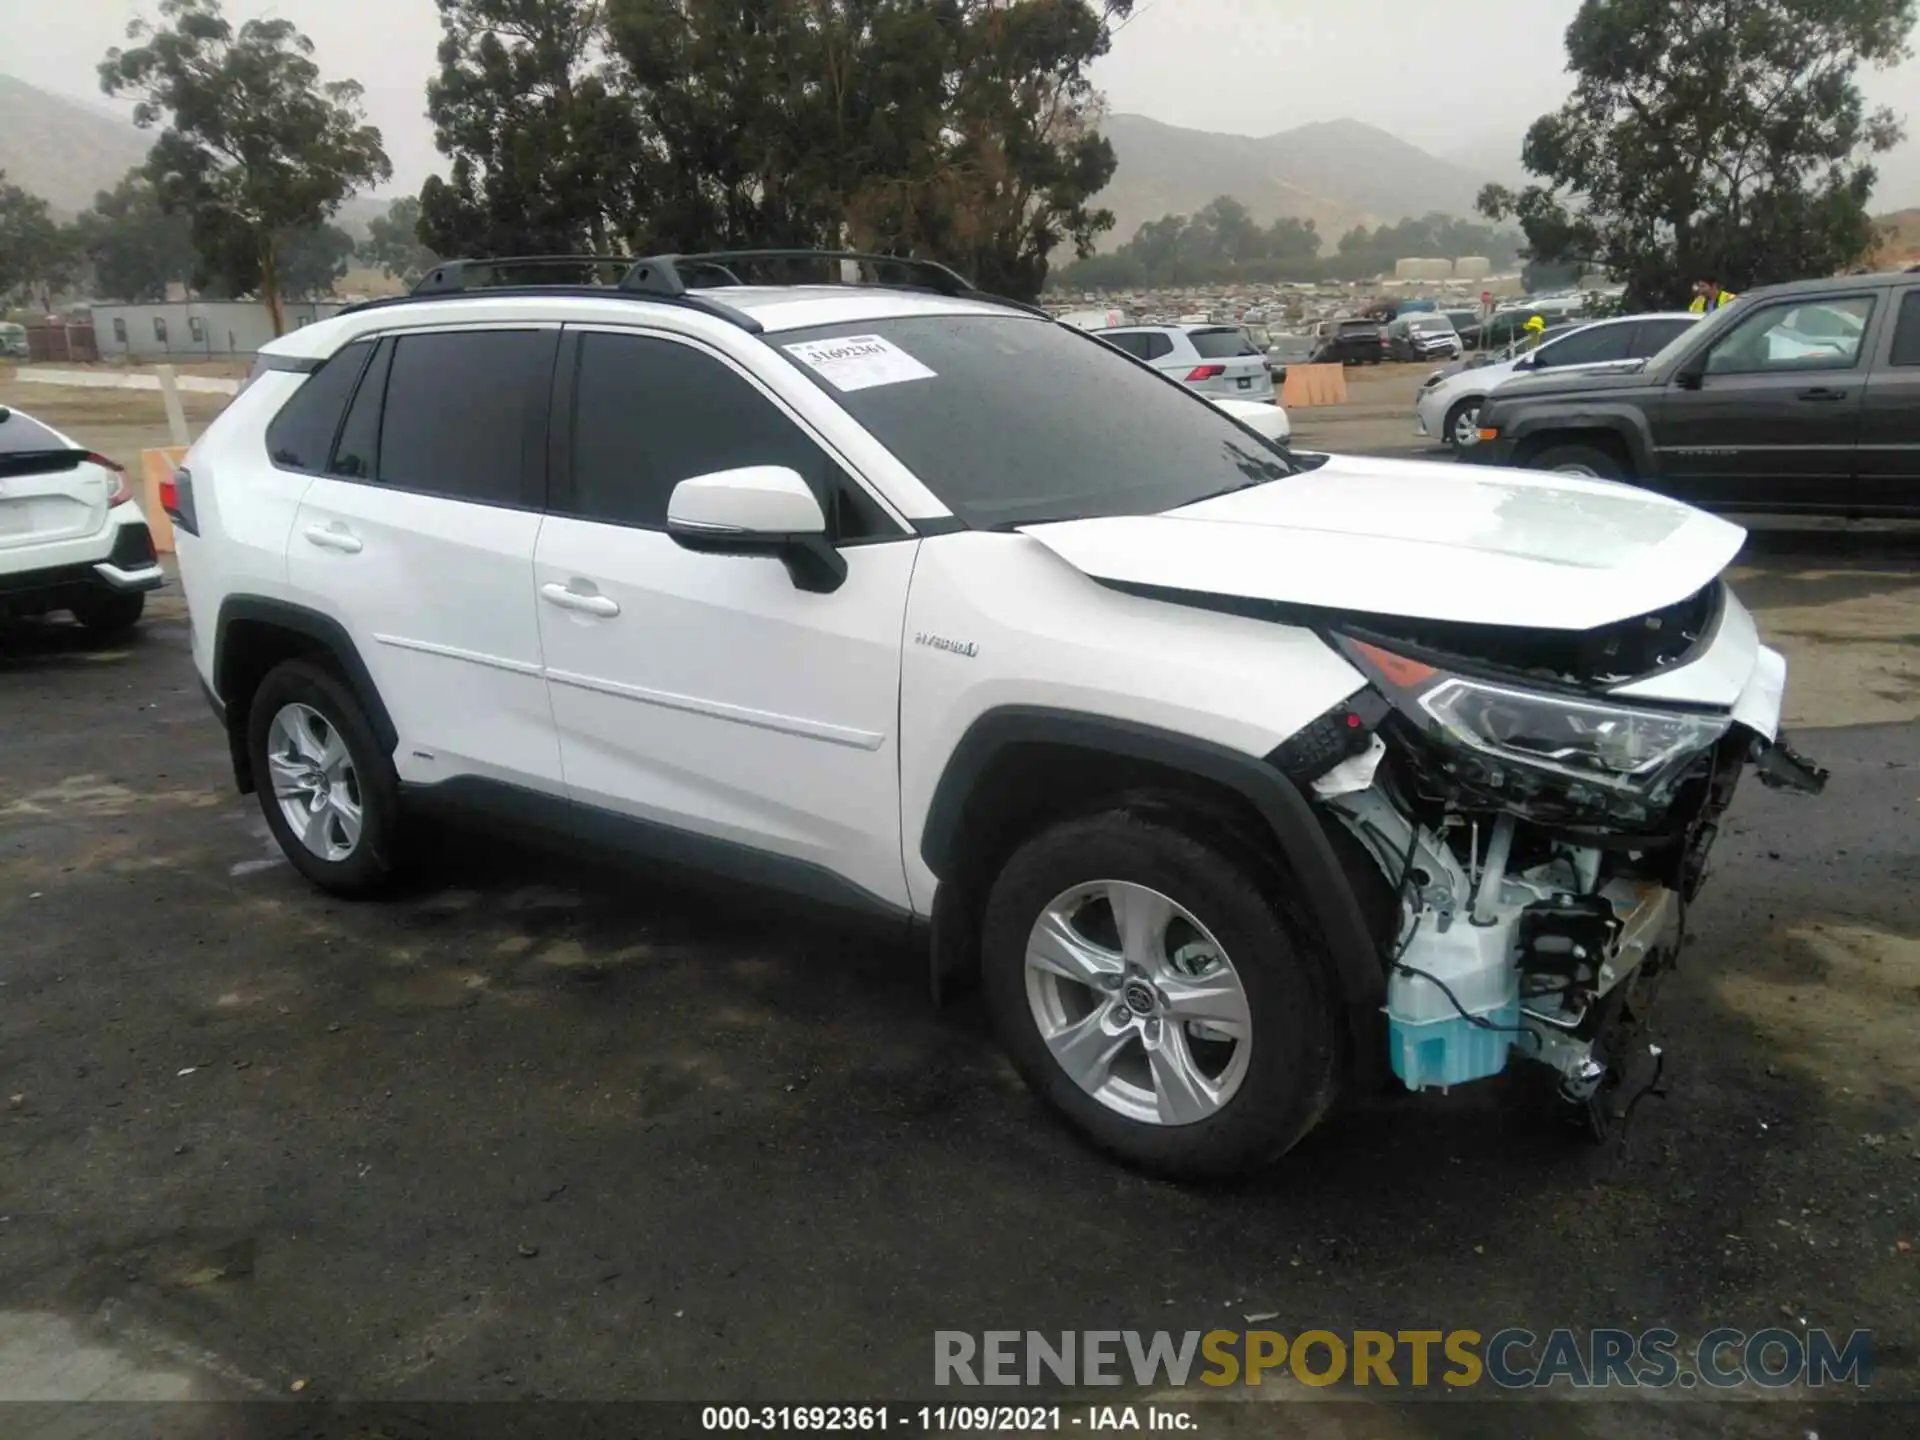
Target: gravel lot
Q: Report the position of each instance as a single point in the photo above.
(536, 1130)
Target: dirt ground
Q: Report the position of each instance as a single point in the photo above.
(537, 1131)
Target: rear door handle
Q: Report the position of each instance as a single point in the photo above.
(334, 537)
(569, 599)
(1822, 393)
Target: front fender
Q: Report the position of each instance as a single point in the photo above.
(1531, 427)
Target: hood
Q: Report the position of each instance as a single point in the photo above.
(1420, 540)
(1580, 380)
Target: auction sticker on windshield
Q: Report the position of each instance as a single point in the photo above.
(859, 362)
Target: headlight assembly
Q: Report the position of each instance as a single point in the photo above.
(1588, 744)
(1622, 748)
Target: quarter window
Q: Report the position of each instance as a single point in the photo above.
(301, 436)
(1135, 343)
(649, 413)
(462, 411)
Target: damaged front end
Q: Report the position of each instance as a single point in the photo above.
(1542, 805)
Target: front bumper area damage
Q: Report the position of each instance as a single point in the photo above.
(1542, 827)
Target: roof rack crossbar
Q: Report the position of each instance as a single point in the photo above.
(453, 276)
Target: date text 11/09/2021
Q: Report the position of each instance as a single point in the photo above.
(950, 1419)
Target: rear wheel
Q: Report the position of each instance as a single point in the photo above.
(328, 791)
(109, 612)
(1462, 428)
(1143, 983)
(1585, 460)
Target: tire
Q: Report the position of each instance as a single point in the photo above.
(306, 713)
(109, 612)
(1585, 460)
(1467, 410)
(1261, 1093)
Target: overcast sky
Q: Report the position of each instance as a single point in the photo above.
(1462, 78)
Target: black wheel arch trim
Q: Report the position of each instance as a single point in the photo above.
(326, 632)
(1327, 892)
(1539, 429)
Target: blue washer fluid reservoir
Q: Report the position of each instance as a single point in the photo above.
(1430, 1042)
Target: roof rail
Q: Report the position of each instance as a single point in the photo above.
(684, 280)
(596, 276)
(669, 274)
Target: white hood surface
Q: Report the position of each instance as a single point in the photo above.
(1418, 539)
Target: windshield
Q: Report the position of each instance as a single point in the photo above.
(1431, 324)
(1012, 421)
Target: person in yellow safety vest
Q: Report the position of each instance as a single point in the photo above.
(1709, 297)
(1531, 332)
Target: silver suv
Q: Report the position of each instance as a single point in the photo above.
(1216, 360)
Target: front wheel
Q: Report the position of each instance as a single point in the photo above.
(1585, 460)
(1146, 985)
(1462, 428)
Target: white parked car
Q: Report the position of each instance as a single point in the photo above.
(1216, 360)
(1448, 406)
(69, 538)
(1228, 772)
(1268, 421)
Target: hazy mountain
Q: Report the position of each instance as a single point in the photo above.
(65, 151)
(1339, 173)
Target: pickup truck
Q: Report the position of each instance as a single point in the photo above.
(1796, 399)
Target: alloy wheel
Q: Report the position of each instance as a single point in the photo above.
(314, 781)
(1466, 427)
(1138, 1003)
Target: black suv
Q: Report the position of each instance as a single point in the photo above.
(1802, 398)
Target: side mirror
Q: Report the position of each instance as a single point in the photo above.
(758, 510)
(1692, 371)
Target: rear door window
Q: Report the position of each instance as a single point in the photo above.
(356, 453)
(1653, 336)
(1906, 334)
(465, 415)
(300, 437)
(1135, 344)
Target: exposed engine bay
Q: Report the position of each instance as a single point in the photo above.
(1541, 837)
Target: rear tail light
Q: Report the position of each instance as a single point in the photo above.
(1205, 372)
(176, 498)
(122, 489)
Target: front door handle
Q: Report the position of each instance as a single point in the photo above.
(569, 599)
(1822, 393)
(334, 537)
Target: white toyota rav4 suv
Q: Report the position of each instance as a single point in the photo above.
(1230, 772)
(69, 539)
